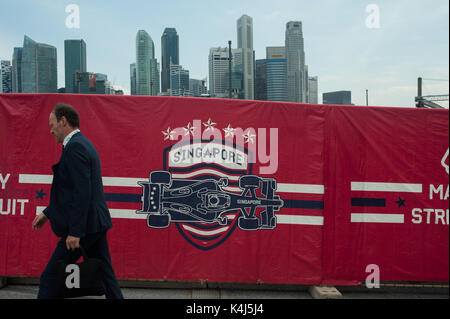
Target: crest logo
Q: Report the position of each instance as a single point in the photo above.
(206, 189)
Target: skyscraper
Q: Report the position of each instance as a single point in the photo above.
(170, 52)
(245, 42)
(5, 77)
(313, 92)
(179, 81)
(276, 74)
(297, 74)
(147, 73)
(74, 61)
(133, 78)
(261, 80)
(39, 67)
(337, 98)
(17, 70)
(218, 68)
(218, 64)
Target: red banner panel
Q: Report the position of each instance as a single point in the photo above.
(239, 191)
(387, 194)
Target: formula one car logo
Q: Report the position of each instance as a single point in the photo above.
(206, 200)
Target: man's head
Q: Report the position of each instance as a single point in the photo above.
(63, 120)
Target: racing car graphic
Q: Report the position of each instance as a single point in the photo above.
(166, 199)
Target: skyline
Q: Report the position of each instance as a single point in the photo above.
(340, 49)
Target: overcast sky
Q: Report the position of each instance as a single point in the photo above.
(344, 47)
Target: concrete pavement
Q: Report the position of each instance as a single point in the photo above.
(28, 288)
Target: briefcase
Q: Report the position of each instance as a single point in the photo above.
(79, 279)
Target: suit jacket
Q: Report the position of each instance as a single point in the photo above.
(77, 202)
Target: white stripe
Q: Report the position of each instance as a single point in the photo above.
(281, 219)
(35, 179)
(39, 209)
(126, 214)
(204, 171)
(378, 218)
(300, 220)
(204, 232)
(386, 187)
(123, 181)
(107, 181)
(133, 182)
(300, 188)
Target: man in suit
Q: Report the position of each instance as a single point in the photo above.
(77, 211)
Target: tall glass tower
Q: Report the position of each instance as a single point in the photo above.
(39, 67)
(245, 42)
(147, 71)
(276, 74)
(170, 54)
(297, 74)
(74, 61)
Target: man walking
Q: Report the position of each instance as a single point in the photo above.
(77, 211)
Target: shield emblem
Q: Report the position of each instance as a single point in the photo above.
(208, 161)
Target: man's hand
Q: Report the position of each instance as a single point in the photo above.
(72, 243)
(39, 221)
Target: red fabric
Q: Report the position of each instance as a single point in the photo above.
(321, 151)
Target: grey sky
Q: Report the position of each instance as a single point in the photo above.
(340, 49)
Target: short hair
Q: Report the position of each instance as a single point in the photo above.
(68, 112)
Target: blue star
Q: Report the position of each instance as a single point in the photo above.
(401, 202)
(40, 194)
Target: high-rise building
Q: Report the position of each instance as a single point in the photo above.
(261, 80)
(5, 77)
(218, 64)
(313, 92)
(133, 78)
(38, 67)
(297, 72)
(74, 61)
(92, 83)
(245, 42)
(276, 74)
(218, 68)
(179, 81)
(337, 98)
(17, 70)
(170, 53)
(197, 87)
(147, 71)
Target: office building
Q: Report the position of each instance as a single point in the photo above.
(170, 53)
(261, 80)
(92, 83)
(297, 72)
(237, 82)
(245, 42)
(219, 69)
(38, 67)
(5, 77)
(218, 64)
(337, 98)
(313, 92)
(147, 71)
(74, 61)
(179, 81)
(17, 70)
(276, 74)
(133, 78)
(198, 87)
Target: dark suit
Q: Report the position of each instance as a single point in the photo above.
(78, 208)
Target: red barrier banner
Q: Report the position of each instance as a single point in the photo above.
(387, 194)
(239, 191)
